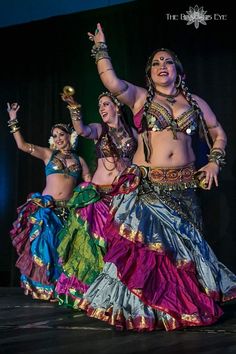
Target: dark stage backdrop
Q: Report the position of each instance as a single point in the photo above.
(39, 58)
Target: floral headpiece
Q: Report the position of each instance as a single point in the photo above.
(67, 129)
(112, 97)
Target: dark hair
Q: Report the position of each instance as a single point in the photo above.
(112, 97)
(123, 119)
(177, 62)
(181, 84)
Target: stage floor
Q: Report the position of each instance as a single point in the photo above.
(36, 327)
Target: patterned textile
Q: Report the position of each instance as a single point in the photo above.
(83, 241)
(159, 270)
(34, 237)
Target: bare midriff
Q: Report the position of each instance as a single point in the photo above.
(107, 170)
(59, 186)
(165, 151)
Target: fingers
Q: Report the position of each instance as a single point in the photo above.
(90, 36)
(216, 181)
(98, 31)
(12, 107)
(210, 180)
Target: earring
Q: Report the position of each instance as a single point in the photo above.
(178, 81)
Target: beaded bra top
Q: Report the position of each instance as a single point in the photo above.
(58, 164)
(159, 118)
(116, 142)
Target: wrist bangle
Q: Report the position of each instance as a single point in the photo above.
(217, 155)
(14, 129)
(100, 51)
(75, 112)
(12, 122)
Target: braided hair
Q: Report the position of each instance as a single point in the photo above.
(180, 83)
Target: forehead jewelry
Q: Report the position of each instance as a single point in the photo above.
(161, 58)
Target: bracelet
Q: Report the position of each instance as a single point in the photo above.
(13, 125)
(102, 54)
(217, 155)
(12, 122)
(14, 129)
(103, 72)
(99, 51)
(75, 112)
(222, 151)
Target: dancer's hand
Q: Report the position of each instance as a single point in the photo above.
(12, 109)
(98, 35)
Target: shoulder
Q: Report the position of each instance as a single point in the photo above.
(208, 114)
(201, 102)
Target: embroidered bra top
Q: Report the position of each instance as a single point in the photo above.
(57, 164)
(159, 118)
(117, 143)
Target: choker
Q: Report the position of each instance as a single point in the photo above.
(169, 98)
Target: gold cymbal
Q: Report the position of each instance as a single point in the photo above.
(68, 90)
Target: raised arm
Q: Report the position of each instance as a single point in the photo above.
(90, 131)
(36, 151)
(127, 93)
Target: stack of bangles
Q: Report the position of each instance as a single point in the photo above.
(99, 51)
(13, 125)
(217, 155)
(75, 111)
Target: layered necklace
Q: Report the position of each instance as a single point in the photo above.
(169, 98)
